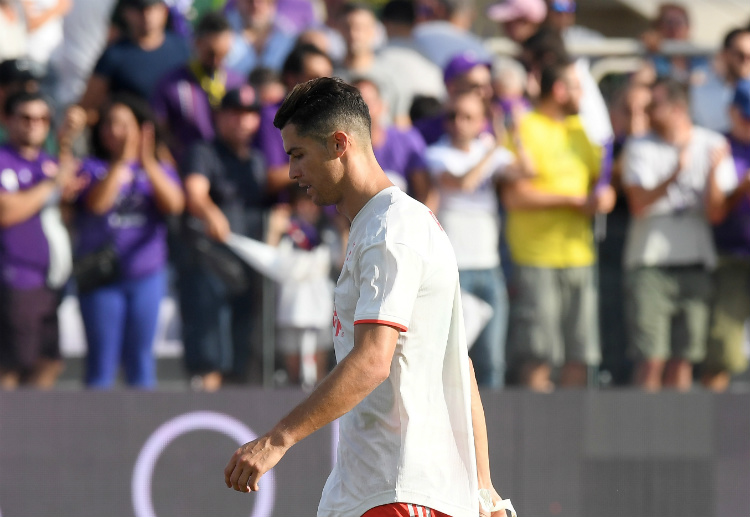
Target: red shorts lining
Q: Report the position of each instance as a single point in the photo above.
(403, 510)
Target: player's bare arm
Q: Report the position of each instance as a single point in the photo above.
(355, 377)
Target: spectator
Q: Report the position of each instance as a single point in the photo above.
(85, 30)
(185, 97)
(520, 19)
(629, 120)
(419, 75)
(466, 165)
(267, 84)
(359, 28)
(298, 257)
(259, 39)
(225, 183)
(121, 222)
(672, 24)
(464, 72)
(509, 86)
(669, 250)
(35, 256)
(17, 75)
(304, 62)
(137, 62)
(400, 152)
(13, 31)
(444, 30)
(710, 98)
(554, 316)
(731, 308)
(292, 15)
(561, 17)
(44, 22)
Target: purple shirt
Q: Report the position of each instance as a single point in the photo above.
(181, 104)
(401, 154)
(732, 236)
(24, 251)
(268, 139)
(134, 225)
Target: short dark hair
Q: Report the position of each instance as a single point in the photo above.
(551, 74)
(295, 60)
(22, 97)
(677, 91)
(210, 24)
(321, 106)
(402, 12)
(353, 7)
(261, 76)
(545, 48)
(733, 35)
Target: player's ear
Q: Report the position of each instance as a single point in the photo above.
(340, 143)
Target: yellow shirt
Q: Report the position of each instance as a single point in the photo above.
(566, 163)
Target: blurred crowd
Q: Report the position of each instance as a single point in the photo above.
(602, 234)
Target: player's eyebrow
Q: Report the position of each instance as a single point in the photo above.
(291, 150)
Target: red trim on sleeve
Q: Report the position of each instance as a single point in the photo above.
(397, 326)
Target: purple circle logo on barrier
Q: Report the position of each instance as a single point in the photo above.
(167, 433)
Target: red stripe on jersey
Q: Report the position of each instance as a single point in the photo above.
(402, 510)
(397, 326)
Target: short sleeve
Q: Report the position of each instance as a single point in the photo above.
(501, 159)
(390, 276)
(726, 175)
(199, 159)
(435, 159)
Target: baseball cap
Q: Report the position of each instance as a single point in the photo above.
(742, 97)
(20, 71)
(140, 4)
(242, 98)
(462, 63)
(532, 10)
(562, 6)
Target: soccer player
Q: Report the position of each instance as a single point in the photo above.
(413, 439)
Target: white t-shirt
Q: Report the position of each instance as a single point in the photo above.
(48, 37)
(674, 230)
(411, 439)
(470, 219)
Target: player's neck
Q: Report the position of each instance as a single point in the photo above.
(364, 180)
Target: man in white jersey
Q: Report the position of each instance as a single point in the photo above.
(413, 439)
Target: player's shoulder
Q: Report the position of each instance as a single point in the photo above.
(391, 216)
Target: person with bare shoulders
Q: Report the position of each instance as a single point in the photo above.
(413, 439)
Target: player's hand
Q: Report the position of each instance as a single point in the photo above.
(248, 464)
(495, 498)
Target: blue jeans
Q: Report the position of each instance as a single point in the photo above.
(120, 322)
(488, 351)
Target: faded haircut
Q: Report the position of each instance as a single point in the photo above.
(322, 106)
